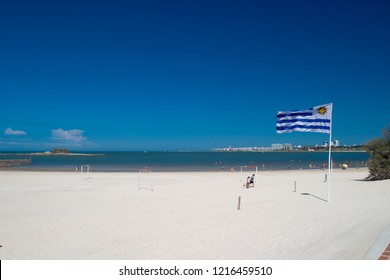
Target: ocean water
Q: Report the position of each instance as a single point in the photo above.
(188, 161)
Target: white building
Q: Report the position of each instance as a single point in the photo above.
(284, 146)
(334, 143)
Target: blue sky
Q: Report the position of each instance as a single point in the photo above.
(189, 75)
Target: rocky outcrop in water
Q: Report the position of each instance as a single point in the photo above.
(14, 162)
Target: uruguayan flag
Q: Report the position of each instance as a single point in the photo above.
(317, 119)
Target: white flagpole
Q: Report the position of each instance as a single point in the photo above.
(329, 157)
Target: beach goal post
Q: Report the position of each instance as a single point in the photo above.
(145, 180)
(84, 171)
(250, 168)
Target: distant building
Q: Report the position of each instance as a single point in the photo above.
(334, 143)
(325, 144)
(280, 147)
(276, 147)
(288, 146)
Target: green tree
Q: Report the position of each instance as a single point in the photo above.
(379, 163)
(60, 151)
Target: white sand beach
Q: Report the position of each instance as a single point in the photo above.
(57, 215)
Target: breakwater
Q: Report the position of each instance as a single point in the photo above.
(14, 162)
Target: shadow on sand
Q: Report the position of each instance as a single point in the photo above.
(314, 196)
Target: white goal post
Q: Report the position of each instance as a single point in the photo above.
(145, 180)
(250, 168)
(84, 171)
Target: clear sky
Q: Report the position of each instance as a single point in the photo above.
(189, 75)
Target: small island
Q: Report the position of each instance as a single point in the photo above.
(26, 158)
(59, 151)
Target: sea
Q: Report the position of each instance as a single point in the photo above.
(185, 161)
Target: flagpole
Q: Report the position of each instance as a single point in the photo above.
(316, 119)
(329, 158)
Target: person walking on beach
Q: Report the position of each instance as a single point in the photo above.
(248, 182)
(252, 181)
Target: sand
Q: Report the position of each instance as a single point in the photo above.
(58, 215)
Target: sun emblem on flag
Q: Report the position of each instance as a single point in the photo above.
(322, 110)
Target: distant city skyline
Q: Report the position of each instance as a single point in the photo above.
(179, 75)
(285, 146)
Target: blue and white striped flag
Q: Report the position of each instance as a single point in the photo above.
(316, 119)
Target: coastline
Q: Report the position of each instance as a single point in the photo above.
(294, 151)
(186, 161)
(190, 215)
(50, 154)
(100, 153)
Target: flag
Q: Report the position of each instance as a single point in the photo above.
(316, 119)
